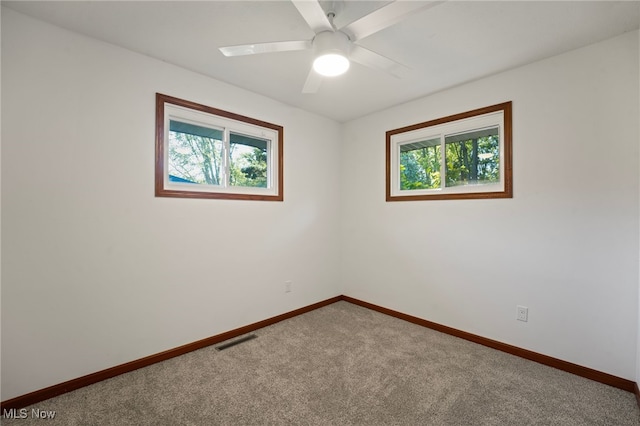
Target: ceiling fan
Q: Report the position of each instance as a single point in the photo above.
(335, 47)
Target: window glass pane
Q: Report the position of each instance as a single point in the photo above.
(195, 154)
(248, 161)
(473, 157)
(420, 165)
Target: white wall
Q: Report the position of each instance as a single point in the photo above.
(96, 270)
(566, 245)
(638, 346)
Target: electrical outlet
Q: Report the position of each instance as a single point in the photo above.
(522, 313)
(287, 286)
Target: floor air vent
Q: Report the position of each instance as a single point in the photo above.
(236, 342)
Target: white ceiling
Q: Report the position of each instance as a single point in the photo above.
(446, 45)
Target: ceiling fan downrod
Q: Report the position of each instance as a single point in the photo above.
(330, 16)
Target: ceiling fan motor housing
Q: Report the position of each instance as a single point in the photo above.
(331, 42)
(331, 53)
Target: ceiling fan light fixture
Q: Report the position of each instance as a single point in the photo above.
(331, 64)
(331, 53)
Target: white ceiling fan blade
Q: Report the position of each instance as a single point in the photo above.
(277, 46)
(314, 15)
(313, 82)
(384, 17)
(374, 60)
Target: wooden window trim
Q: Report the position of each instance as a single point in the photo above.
(161, 191)
(507, 156)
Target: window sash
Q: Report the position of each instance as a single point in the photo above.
(442, 132)
(233, 131)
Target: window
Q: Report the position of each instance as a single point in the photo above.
(466, 155)
(204, 152)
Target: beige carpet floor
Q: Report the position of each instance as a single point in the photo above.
(344, 365)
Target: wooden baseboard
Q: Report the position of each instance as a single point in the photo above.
(576, 369)
(59, 389)
(55, 390)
